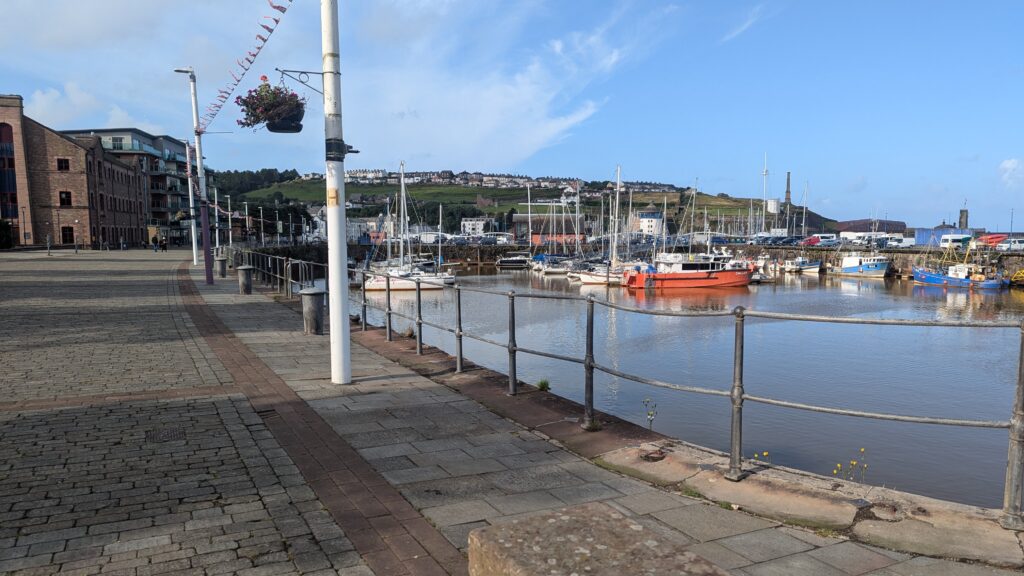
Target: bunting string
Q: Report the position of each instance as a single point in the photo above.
(244, 64)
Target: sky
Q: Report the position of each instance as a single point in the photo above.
(902, 110)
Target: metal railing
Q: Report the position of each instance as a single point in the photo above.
(274, 268)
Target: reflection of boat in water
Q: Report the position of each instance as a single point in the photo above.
(675, 270)
(406, 280)
(722, 298)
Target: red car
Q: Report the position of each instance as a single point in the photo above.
(810, 241)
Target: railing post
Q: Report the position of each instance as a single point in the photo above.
(736, 472)
(419, 320)
(288, 278)
(458, 328)
(590, 423)
(1012, 489)
(513, 381)
(362, 289)
(387, 307)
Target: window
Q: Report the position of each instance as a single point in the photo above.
(63, 164)
(117, 142)
(65, 198)
(67, 235)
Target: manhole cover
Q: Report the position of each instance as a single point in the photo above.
(165, 434)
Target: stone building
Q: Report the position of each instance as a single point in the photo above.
(66, 190)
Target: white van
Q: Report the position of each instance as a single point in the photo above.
(1011, 245)
(957, 241)
(825, 236)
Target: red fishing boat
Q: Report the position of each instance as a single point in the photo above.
(688, 271)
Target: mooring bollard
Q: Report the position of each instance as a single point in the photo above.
(313, 310)
(245, 279)
(590, 423)
(736, 472)
(513, 381)
(222, 266)
(1014, 486)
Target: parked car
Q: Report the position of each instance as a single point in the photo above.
(829, 243)
(488, 241)
(810, 241)
(1011, 245)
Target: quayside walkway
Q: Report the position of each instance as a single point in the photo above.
(151, 424)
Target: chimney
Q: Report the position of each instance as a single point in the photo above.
(789, 196)
(963, 219)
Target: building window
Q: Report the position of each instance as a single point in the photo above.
(67, 235)
(8, 183)
(117, 142)
(63, 164)
(65, 198)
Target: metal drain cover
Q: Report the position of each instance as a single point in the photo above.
(165, 434)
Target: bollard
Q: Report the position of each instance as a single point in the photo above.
(312, 310)
(513, 381)
(419, 320)
(387, 308)
(590, 424)
(458, 328)
(736, 472)
(245, 279)
(1012, 489)
(222, 267)
(362, 288)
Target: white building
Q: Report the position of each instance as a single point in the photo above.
(474, 226)
(649, 221)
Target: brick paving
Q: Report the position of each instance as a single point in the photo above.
(244, 459)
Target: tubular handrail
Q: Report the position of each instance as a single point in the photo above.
(274, 268)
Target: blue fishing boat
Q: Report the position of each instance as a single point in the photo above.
(861, 266)
(960, 276)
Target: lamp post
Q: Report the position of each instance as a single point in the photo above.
(216, 219)
(277, 226)
(335, 150)
(291, 230)
(191, 204)
(231, 223)
(204, 201)
(248, 225)
(263, 237)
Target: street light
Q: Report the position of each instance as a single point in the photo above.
(204, 202)
(216, 219)
(263, 238)
(191, 205)
(248, 226)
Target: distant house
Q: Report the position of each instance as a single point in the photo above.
(871, 225)
(474, 226)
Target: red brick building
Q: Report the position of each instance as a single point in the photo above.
(66, 190)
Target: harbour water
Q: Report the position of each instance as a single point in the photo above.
(946, 372)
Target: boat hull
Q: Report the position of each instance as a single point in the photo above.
(929, 278)
(597, 279)
(699, 279)
(872, 270)
(379, 284)
(513, 264)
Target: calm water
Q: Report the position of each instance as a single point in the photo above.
(949, 372)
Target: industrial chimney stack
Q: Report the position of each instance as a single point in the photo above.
(789, 196)
(963, 219)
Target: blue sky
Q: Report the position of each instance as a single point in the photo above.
(898, 109)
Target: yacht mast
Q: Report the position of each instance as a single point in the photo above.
(401, 214)
(764, 193)
(803, 224)
(529, 218)
(615, 222)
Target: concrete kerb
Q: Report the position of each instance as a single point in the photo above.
(882, 517)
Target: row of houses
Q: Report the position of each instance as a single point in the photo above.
(373, 177)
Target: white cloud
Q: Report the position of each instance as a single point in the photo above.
(752, 17)
(1011, 172)
(56, 109)
(118, 117)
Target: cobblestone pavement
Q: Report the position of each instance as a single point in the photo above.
(127, 447)
(463, 467)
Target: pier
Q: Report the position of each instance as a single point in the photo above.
(151, 423)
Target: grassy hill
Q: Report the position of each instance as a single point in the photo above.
(724, 206)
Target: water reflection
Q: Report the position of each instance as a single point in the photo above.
(951, 372)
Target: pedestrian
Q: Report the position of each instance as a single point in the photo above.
(156, 244)
(123, 245)
(163, 244)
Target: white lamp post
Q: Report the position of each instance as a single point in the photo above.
(204, 200)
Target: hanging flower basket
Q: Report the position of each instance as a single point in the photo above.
(277, 107)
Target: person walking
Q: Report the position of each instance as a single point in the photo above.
(156, 244)
(163, 244)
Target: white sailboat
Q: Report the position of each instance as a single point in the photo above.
(405, 276)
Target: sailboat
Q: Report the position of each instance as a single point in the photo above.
(405, 275)
(611, 273)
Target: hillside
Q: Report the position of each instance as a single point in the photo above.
(721, 206)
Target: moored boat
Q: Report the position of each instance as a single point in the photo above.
(677, 271)
(802, 265)
(513, 261)
(960, 276)
(863, 266)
